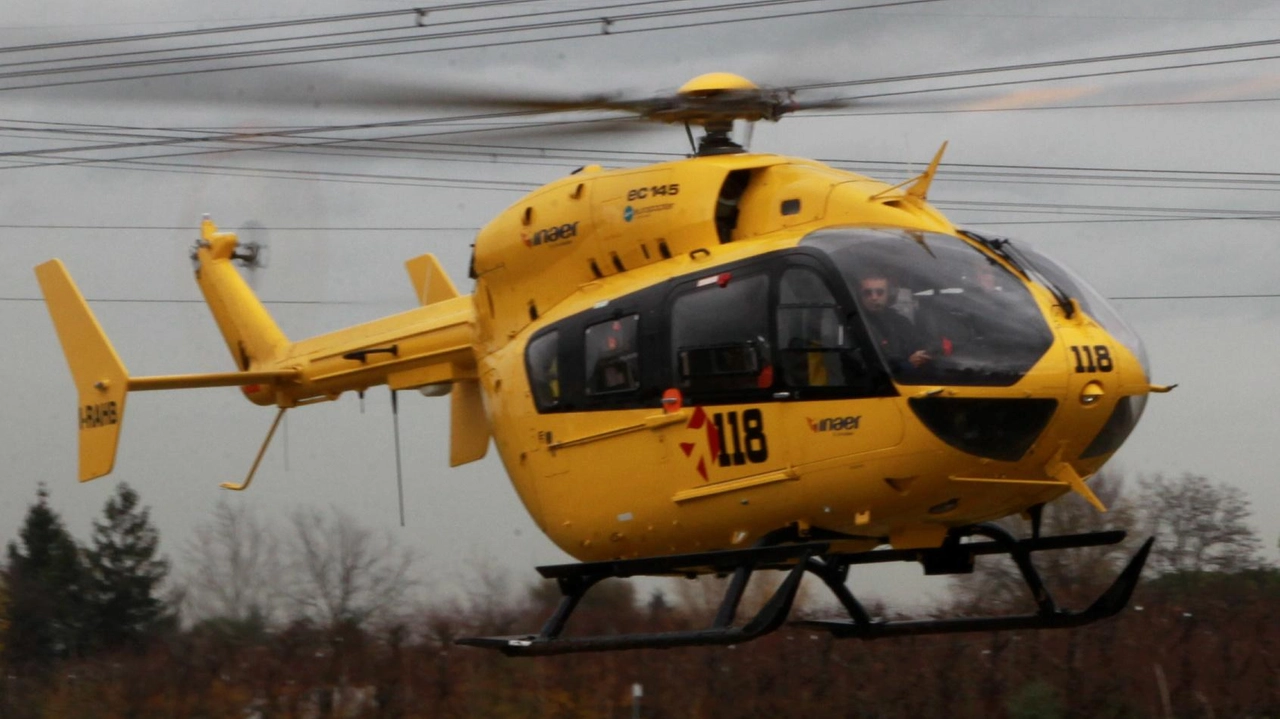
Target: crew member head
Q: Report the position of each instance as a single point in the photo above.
(874, 292)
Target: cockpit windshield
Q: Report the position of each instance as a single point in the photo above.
(1090, 300)
(940, 310)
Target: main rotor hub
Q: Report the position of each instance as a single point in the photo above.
(713, 83)
(716, 99)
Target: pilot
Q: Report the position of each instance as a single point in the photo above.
(980, 314)
(895, 333)
(983, 275)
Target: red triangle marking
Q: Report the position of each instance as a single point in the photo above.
(702, 468)
(687, 447)
(713, 439)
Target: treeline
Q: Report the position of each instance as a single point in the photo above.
(322, 618)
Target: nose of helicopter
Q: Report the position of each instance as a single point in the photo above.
(1106, 358)
(1064, 420)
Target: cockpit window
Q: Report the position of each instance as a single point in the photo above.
(1090, 300)
(1097, 307)
(939, 310)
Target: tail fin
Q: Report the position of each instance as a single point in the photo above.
(100, 377)
(251, 334)
(430, 283)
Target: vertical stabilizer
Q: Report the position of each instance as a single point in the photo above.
(430, 283)
(251, 334)
(100, 377)
(469, 425)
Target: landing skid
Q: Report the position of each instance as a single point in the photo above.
(953, 557)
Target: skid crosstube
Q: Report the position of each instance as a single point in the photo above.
(954, 556)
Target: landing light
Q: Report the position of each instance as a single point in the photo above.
(1091, 393)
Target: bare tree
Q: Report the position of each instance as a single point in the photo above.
(342, 573)
(233, 567)
(1199, 525)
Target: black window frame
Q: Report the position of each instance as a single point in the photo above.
(657, 371)
(866, 375)
(719, 279)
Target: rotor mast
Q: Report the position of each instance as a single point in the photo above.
(714, 101)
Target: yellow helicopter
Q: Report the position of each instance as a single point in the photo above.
(720, 364)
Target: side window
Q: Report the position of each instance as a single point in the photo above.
(612, 357)
(719, 336)
(542, 358)
(812, 337)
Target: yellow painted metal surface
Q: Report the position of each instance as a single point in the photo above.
(430, 283)
(716, 82)
(640, 482)
(99, 375)
(469, 429)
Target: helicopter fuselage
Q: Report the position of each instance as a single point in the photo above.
(696, 354)
(678, 359)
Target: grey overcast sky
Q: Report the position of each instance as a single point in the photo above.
(1154, 177)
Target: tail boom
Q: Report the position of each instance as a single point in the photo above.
(431, 346)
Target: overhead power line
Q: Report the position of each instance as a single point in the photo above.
(247, 27)
(600, 28)
(1092, 59)
(164, 301)
(953, 172)
(192, 52)
(250, 139)
(1257, 296)
(273, 228)
(167, 301)
(1126, 220)
(1055, 78)
(1041, 108)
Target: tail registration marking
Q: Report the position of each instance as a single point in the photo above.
(99, 415)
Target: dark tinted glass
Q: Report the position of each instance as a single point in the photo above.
(939, 310)
(543, 362)
(995, 428)
(1113, 434)
(612, 357)
(811, 332)
(719, 336)
(1090, 300)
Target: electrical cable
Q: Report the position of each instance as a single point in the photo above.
(164, 301)
(1095, 106)
(508, 43)
(1146, 54)
(254, 26)
(1055, 78)
(96, 64)
(276, 228)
